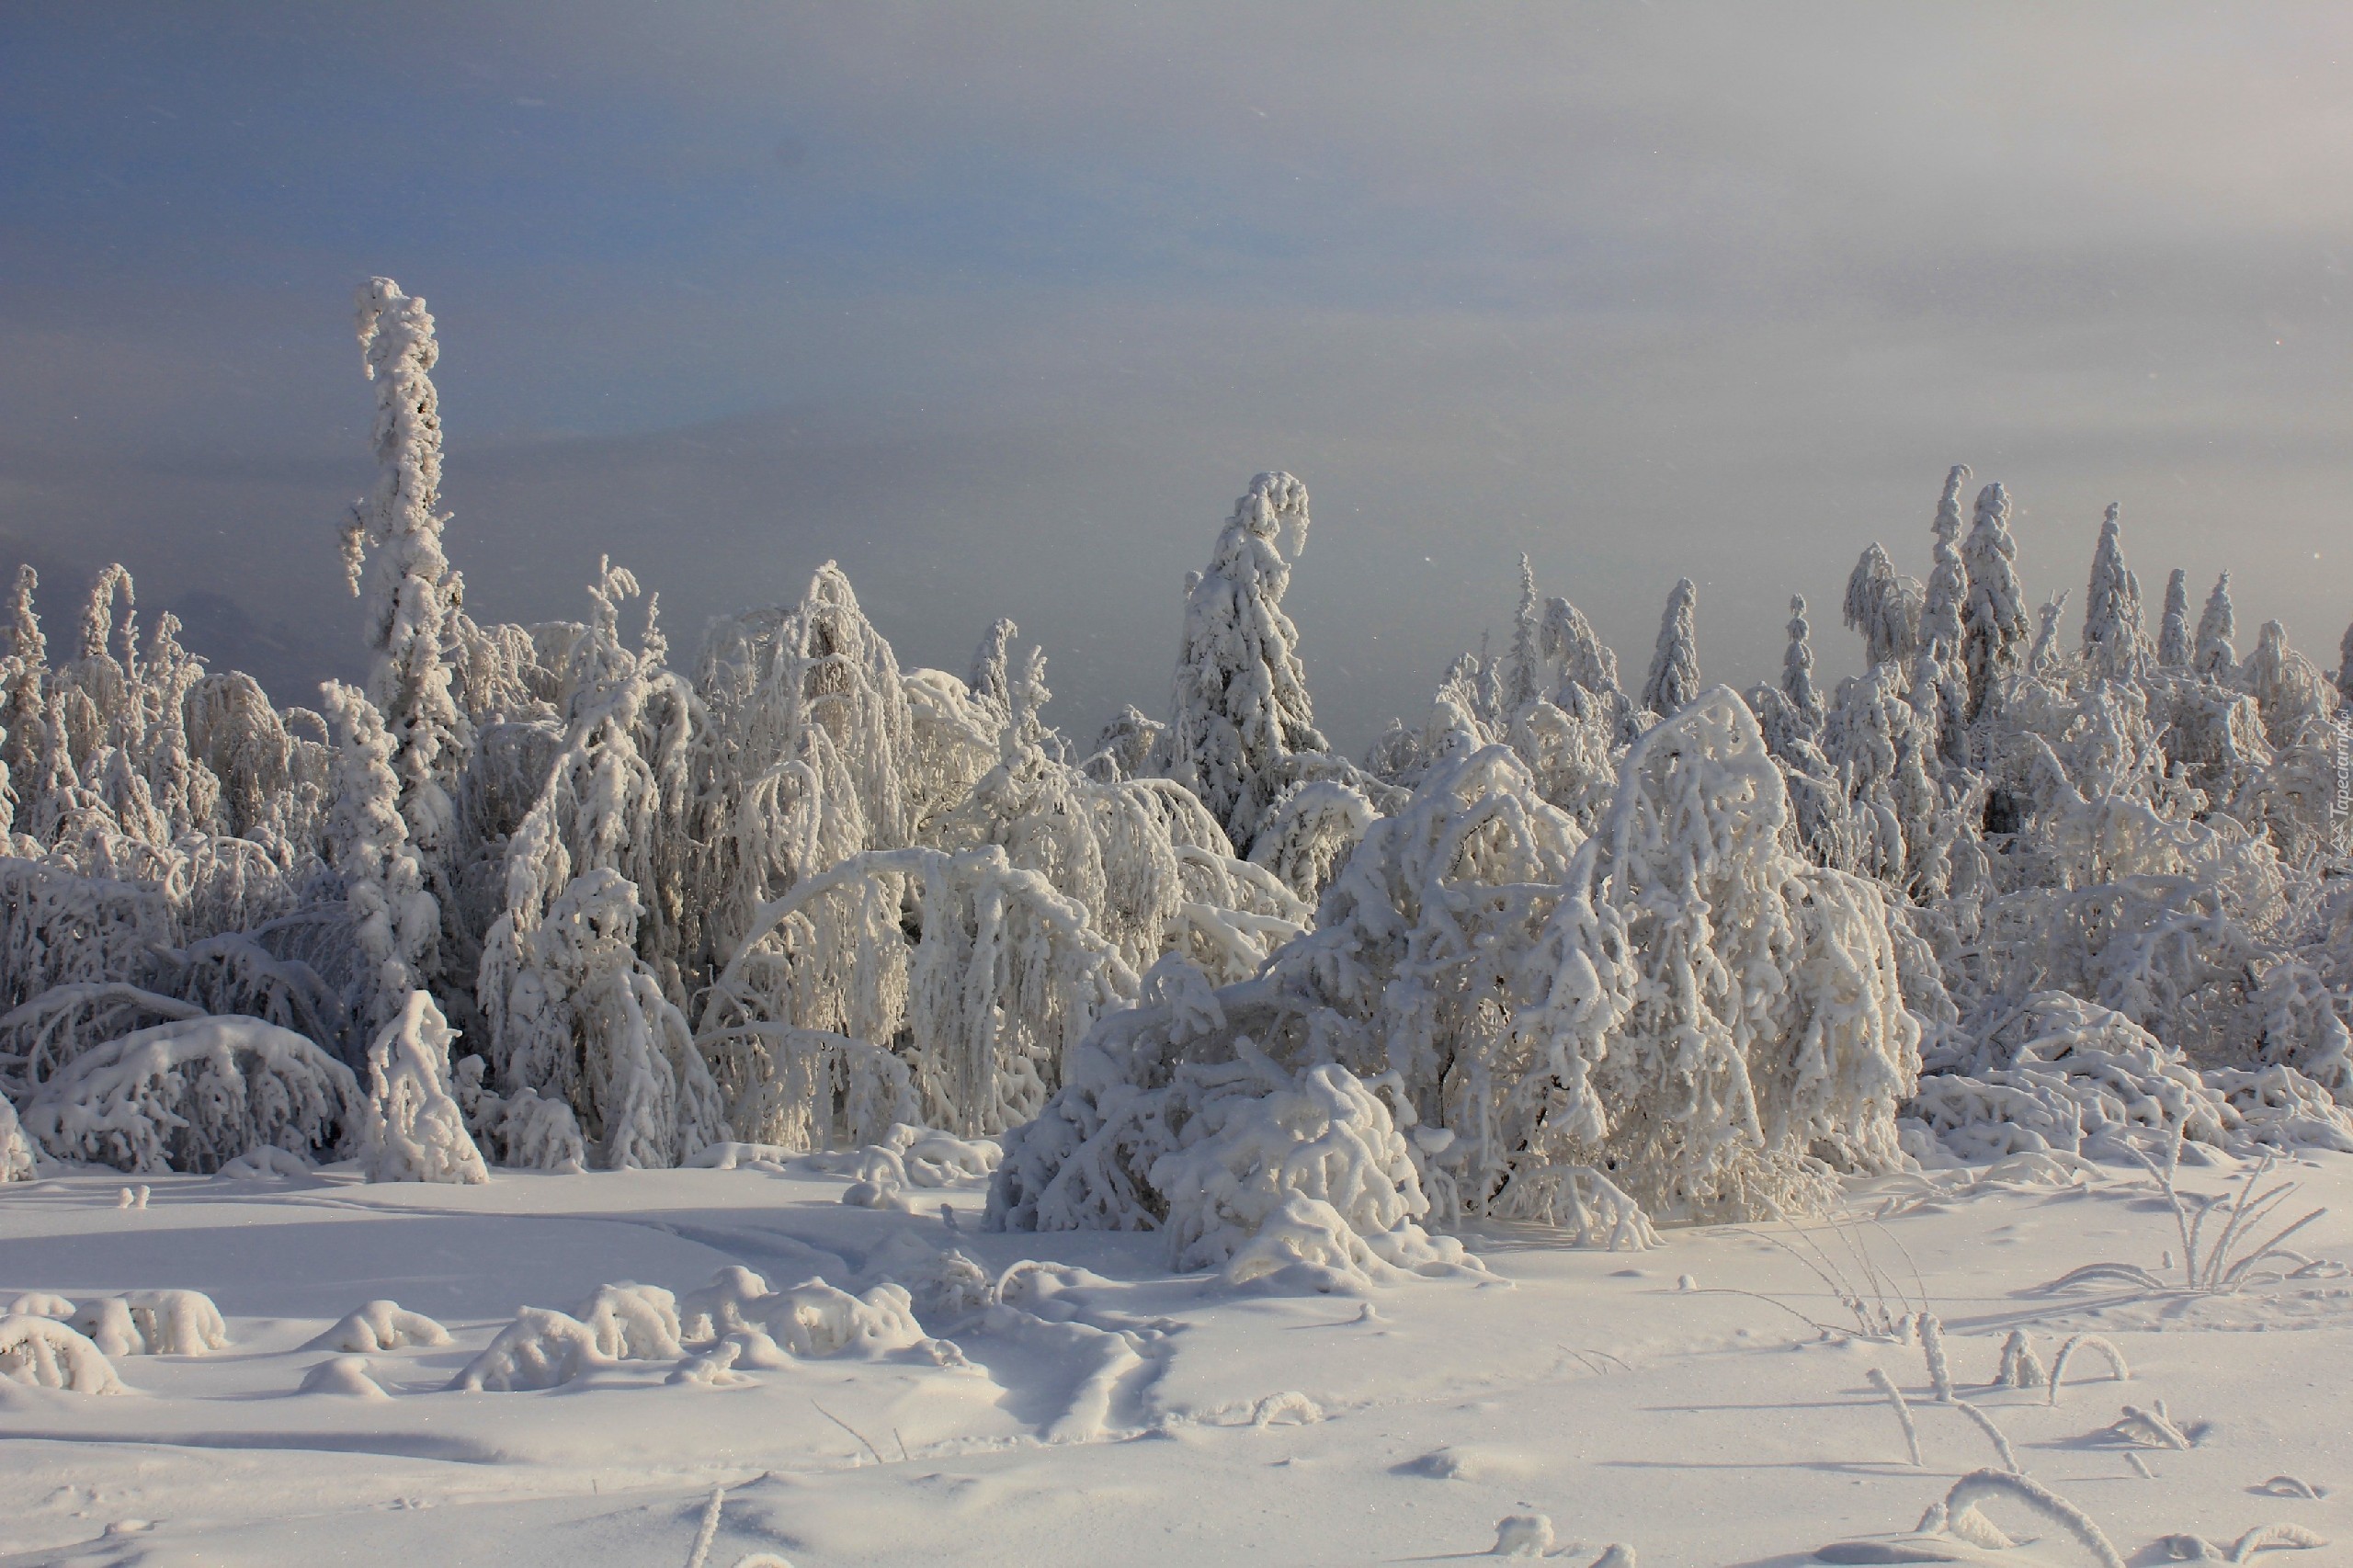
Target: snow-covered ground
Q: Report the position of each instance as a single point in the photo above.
(1097, 1409)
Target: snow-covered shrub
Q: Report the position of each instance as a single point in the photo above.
(42, 1353)
(380, 1326)
(412, 1129)
(1308, 1173)
(2063, 1073)
(814, 1319)
(630, 1322)
(541, 1349)
(154, 1322)
(58, 927)
(192, 1095)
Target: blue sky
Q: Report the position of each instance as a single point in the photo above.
(1002, 305)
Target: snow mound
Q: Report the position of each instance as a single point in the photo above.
(380, 1326)
(41, 1352)
(1305, 1244)
(41, 1304)
(346, 1377)
(193, 1095)
(265, 1162)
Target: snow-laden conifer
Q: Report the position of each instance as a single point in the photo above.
(394, 921)
(411, 589)
(1674, 679)
(1797, 667)
(2212, 655)
(1948, 591)
(2115, 640)
(1994, 625)
(1241, 705)
(2174, 646)
(1885, 607)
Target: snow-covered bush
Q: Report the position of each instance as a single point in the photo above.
(192, 1095)
(42, 1353)
(152, 1323)
(412, 1128)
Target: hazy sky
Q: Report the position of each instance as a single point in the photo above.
(1002, 306)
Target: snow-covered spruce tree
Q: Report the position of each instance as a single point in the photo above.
(2217, 625)
(412, 1128)
(1674, 679)
(394, 921)
(1524, 676)
(24, 712)
(2289, 688)
(2173, 628)
(411, 589)
(1948, 591)
(1994, 626)
(1797, 670)
(1241, 705)
(2344, 667)
(2116, 644)
(1885, 608)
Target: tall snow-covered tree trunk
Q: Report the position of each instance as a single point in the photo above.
(1523, 676)
(2115, 641)
(411, 590)
(1940, 627)
(1675, 664)
(1797, 667)
(2213, 654)
(2173, 630)
(395, 921)
(1241, 704)
(1994, 627)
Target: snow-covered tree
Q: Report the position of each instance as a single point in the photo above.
(394, 921)
(1994, 626)
(2115, 641)
(412, 1128)
(1797, 667)
(1241, 705)
(1885, 607)
(1674, 679)
(412, 591)
(2173, 630)
(1948, 591)
(2217, 625)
